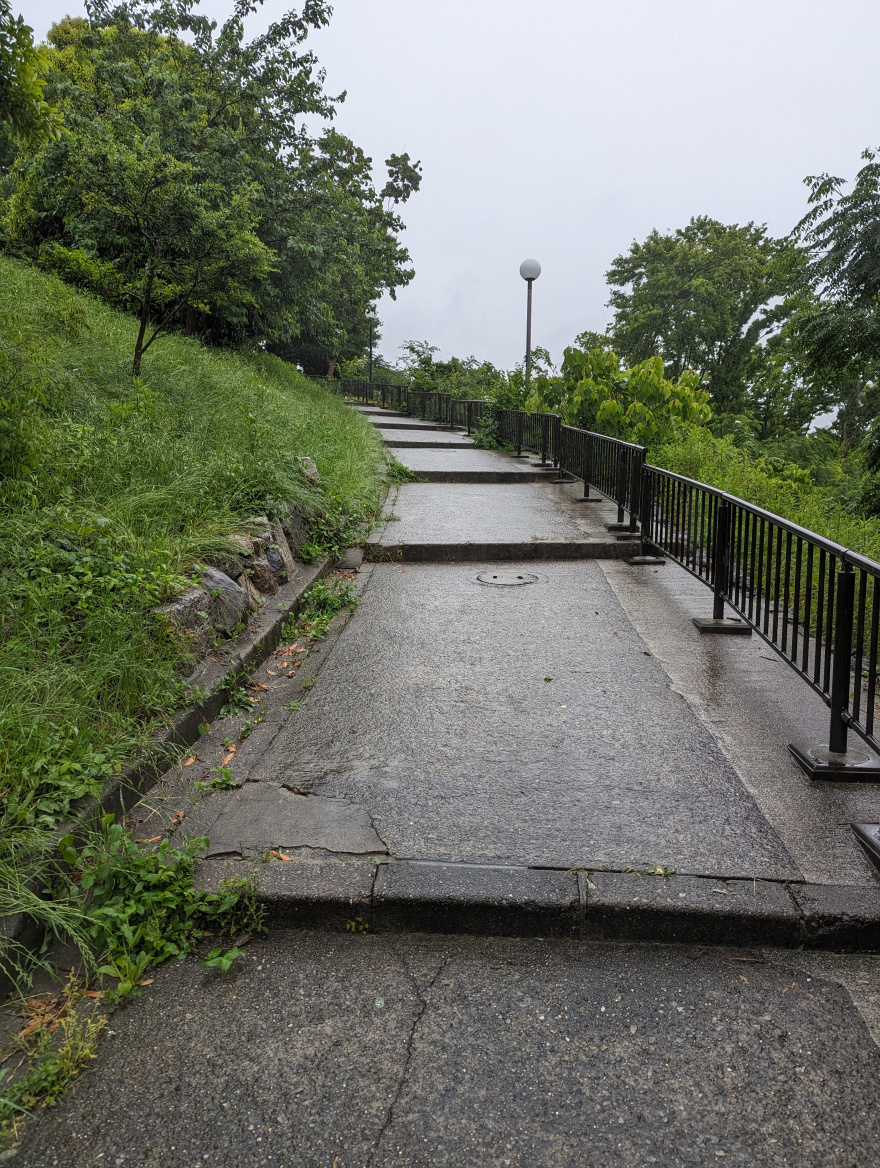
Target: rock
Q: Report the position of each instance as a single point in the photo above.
(261, 532)
(189, 614)
(294, 527)
(254, 599)
(280, 548)
(239, 557)
(262, 576)
(309, 469)
(228, 603)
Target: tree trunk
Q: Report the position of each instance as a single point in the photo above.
(145, 319)
(331, 368)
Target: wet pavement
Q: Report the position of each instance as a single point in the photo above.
(434, 713)
(358, 1051)
(539, 723)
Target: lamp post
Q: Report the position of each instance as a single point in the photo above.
(530, 270)
(371, 350)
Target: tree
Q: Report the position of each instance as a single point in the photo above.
(837, 328)
(187, 180)
(29, 118)
(639, 404)
(705, 297)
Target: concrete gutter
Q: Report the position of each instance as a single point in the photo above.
(429, 897)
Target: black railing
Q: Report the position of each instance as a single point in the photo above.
(812, 600)
(816, 603)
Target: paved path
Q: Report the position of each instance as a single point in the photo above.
(500, 725)
(340, 1051)
(432, 732)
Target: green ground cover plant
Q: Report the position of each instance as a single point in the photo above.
(110, 489)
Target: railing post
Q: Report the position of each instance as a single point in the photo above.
(519, 433)
(646, 502)
(588, 465)
(621, 482)
(635, 482)
(720, 557)
(383, 397)
(841, 666)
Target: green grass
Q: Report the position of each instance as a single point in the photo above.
(110, 490)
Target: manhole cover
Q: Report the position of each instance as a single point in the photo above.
(507, 579)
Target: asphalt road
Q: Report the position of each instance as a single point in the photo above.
(356, 1051)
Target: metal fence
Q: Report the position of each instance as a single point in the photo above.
(816, 603)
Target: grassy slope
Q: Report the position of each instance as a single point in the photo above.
(116, 488)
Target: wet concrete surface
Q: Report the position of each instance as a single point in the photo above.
(433, 713)
(358, 1051)
(419, 436)
(754, 705)
(484, 463)
(475, 513)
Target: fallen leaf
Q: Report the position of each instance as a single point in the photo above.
(292, 673)
(189, 761)
(280, 855)
(645, 653)
(271, 672)
(93, 993)
(153, 839)
(232, 750)
(148, 981)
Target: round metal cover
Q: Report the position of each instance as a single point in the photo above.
(507, 579)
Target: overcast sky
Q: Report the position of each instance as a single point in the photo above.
(565, 129)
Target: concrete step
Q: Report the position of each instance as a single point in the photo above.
(383, 551)
(439, 440)
(469, 466)
(509, 900)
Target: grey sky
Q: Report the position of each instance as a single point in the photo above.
(567, 128)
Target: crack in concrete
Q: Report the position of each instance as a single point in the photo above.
(407, 1058)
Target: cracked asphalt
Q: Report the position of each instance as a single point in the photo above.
(327, 1050)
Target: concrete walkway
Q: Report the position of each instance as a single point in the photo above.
(493, 707)
(519, 747)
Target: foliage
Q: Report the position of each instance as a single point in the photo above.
(824, 499)
(188, 191)
(27, 116)
(638, 404)
(462, 377)
(141, 907)
(126, 487)
(837, 327)
(51, 1071)
(323, 601)
(703, 297)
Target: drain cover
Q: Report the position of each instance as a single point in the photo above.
(507, 579)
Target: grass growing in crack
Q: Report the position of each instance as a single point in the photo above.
(398, 472)
(323, 601)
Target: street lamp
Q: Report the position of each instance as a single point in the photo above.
(530, 270)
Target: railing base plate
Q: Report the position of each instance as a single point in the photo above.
(730, 625)
(856, 766)
(587, 499)
(616, 526)
(655, 561)
(868, 835)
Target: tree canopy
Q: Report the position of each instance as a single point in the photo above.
(187, 189)
(705, 297)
